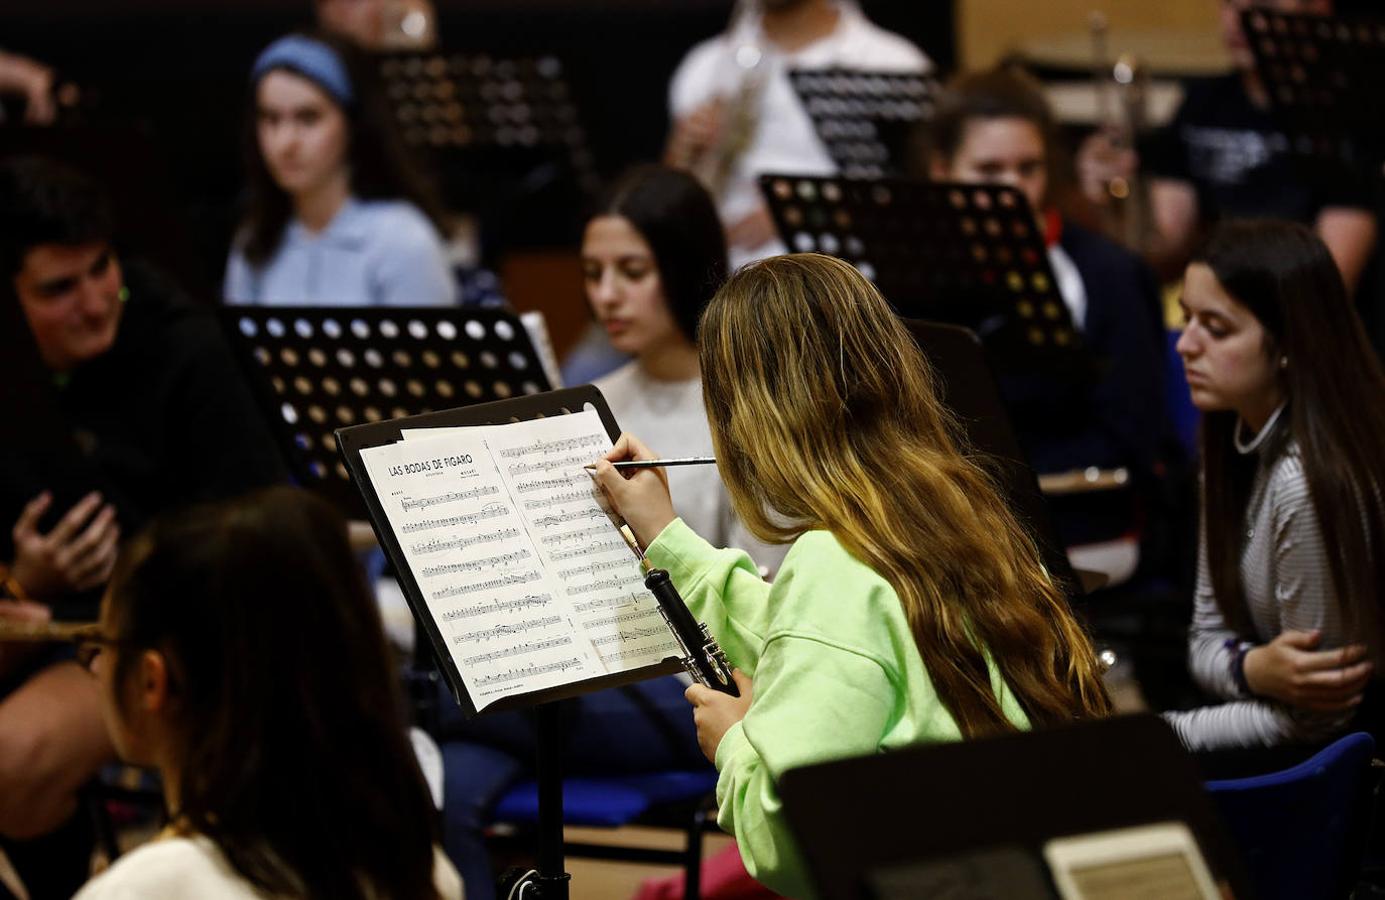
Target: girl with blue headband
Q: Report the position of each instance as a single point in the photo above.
(334, 215)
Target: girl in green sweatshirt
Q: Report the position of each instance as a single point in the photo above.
(911, 607)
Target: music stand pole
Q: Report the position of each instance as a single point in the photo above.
(552, 881)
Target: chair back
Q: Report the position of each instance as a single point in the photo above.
(1302, 830)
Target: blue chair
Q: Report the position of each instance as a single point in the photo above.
(681, 800)
(1302, 831)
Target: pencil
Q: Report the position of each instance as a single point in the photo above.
(656, 463)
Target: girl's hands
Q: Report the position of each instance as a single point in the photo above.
(640, 496)
(714, 712)
(1292, 670)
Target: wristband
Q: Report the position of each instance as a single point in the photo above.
(1239, 649)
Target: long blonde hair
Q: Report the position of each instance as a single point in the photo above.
(824, 416)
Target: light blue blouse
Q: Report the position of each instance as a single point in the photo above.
(372, 253)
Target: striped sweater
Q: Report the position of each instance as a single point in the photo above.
(1287, 586)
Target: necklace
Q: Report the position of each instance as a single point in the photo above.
(1250, 446)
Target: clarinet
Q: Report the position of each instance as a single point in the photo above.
(702, 656)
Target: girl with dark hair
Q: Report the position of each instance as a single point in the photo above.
(912, 606)
(335, 214)
(1291, 573)
(995, 127)
(242, 655)
(653, 255)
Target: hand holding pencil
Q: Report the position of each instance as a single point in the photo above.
(639, 494)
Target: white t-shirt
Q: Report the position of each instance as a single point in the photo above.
(179, 867)
(785, 140)
(670, 418)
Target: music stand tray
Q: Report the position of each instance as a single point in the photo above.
(969, 255)
(1008, 795)
(866, 119)
(317, 368)
(1321, 73)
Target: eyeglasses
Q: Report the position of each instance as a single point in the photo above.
(88, 648)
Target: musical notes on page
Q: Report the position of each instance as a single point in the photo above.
(493, 584)
(437, 545)
(498, 607)
(528, 582)
(475, 565)
(500, 632)
(597, 442)
(489, 511)
(450, 497)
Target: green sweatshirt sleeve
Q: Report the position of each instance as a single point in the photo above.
(852, 698)
(721, 587)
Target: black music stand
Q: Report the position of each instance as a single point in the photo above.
(968, 389)
(318, 368)
(1003, 797)
(502, 132)
(969, 255)
(552, 881)
(866, 119)
(1321, 73)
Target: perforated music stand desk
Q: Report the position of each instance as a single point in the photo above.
(504, 132)
(968, 255)
(352, 441)
(968, 389)
(866, 118)
(1322, 74)
(318, 368)
(942, 803)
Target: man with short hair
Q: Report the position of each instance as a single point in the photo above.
(124, 401)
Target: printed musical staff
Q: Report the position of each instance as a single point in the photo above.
(551, 484)
(601, 585)
(519, 650)
(477, 587)
(487, 490)
(558, 499)
(461, 543)
(610, 602)
(650, 654)
(574, 515)
(507, 630)
(577, 535)
(529, 671)
(498, 607)
(564, 445)
(594, 547)
(600, 566)
(550, 465)
(476, 565)
(642, 613)
(489, 511)
(633, 634)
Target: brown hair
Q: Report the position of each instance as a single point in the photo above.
(810, 382)
(1332, 382)
(288, 726)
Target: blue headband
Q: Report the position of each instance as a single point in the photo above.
(311, 59)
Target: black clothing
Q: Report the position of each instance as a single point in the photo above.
(164, 418)
(1241, 163)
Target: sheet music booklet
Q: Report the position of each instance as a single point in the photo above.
(524, 574)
